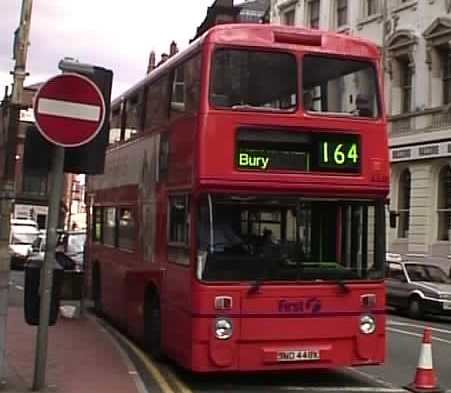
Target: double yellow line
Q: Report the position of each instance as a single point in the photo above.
(165, 383)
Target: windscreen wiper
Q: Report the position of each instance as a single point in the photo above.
(255, 286)
(262, 276)
(342, 285)
(255, 108)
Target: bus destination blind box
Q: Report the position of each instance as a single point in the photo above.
(307, 152)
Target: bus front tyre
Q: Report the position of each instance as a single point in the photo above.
(415, 309)
(152, 328)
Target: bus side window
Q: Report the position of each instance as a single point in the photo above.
(109, 226)
(185, 88)
(163, 156)
(178, 92)
(97, 224)
(178, 229)
(157, 105)
(132, 112)
(126, 229)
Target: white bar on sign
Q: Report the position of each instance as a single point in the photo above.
(73, 110)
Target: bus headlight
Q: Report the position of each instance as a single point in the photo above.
(223, 328)
(367, 324)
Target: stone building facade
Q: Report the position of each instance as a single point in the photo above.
(31, 184)
(416, 42)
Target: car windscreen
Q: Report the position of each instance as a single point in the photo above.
(250, 79)
(339, 85)
(23, 235)
(288, 239)
(418, 272)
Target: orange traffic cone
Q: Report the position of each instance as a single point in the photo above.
(425, 379)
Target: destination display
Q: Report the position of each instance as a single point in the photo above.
(297, 151)
(263, 159)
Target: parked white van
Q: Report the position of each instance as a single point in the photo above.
(22, 235)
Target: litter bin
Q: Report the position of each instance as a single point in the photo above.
(31, 292)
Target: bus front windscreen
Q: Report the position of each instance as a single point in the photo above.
(289, 239)
(248, 79)
(339, 86)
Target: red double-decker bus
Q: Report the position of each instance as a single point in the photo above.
(239, 224)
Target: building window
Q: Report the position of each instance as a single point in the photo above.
(371, 7)
(313, 13)
(444, 204)
(404, 204)
(401, 68)
(438, 59)
(405, 77)
(250, 16)
(34, 184)
(446, 69)
(289, 17)
(342, 12)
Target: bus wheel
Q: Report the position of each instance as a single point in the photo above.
(152, 326)
(415, 309)
(96, 289)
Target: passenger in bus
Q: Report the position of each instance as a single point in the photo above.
(267, 243)
(308, 101)
(363, 106)
(267, 237)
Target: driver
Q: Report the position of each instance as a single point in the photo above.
(224, 236)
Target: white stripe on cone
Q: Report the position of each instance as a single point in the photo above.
(72, 110)
(425, 360)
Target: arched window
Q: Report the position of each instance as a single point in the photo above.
(401, 65)
(438, 59)
(404, 204)
(444, 204)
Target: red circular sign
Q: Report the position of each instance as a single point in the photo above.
(69, 110)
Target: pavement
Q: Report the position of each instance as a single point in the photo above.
(81, 357)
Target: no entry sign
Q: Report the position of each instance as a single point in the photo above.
(69, 110)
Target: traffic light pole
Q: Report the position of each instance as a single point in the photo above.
(46, 279)
(7, 178)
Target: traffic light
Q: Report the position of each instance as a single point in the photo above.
(90, 158)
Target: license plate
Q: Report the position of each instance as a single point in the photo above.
(297, 356)
(447, 306)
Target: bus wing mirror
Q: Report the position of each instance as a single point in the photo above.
(393, 216)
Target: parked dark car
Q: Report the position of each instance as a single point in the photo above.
(418, 288)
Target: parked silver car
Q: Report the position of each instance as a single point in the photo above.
(69, 250)
(419, 288)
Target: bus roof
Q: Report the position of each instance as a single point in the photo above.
(268, 35)
(281, 36)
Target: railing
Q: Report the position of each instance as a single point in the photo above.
(401, 126)
(440, 119)
(419, 121)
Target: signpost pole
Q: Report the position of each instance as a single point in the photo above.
(46, 280)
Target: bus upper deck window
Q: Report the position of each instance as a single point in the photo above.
(248, 79)
(340, 86)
